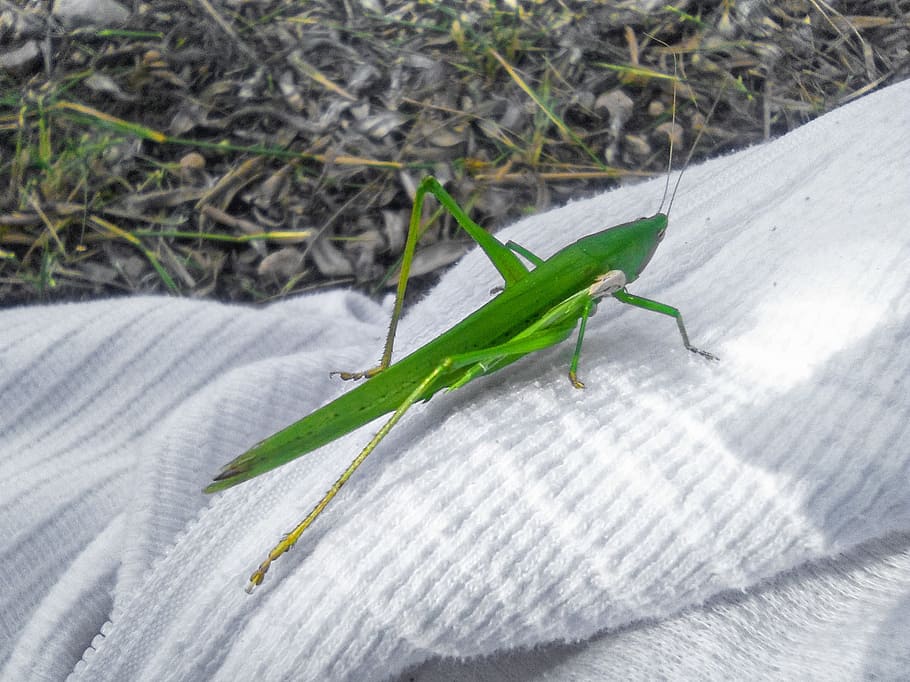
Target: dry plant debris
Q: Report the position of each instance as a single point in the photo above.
(247, 150)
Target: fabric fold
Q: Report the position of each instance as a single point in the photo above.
(693, 518)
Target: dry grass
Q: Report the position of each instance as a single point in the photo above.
(251, 150)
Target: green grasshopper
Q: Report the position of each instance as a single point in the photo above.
(537, 308)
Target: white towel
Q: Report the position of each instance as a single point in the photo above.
(677, 518)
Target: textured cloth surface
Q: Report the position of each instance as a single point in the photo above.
(678, 518)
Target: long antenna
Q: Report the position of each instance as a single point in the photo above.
(670, 137)
(692, 149)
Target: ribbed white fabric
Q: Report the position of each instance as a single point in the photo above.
(749, 518)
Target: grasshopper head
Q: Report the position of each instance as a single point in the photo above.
(627, 247)
(660, 221)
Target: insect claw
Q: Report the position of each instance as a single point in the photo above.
(704, 353)
(575, 381)
(255, 580)
(357, 376)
